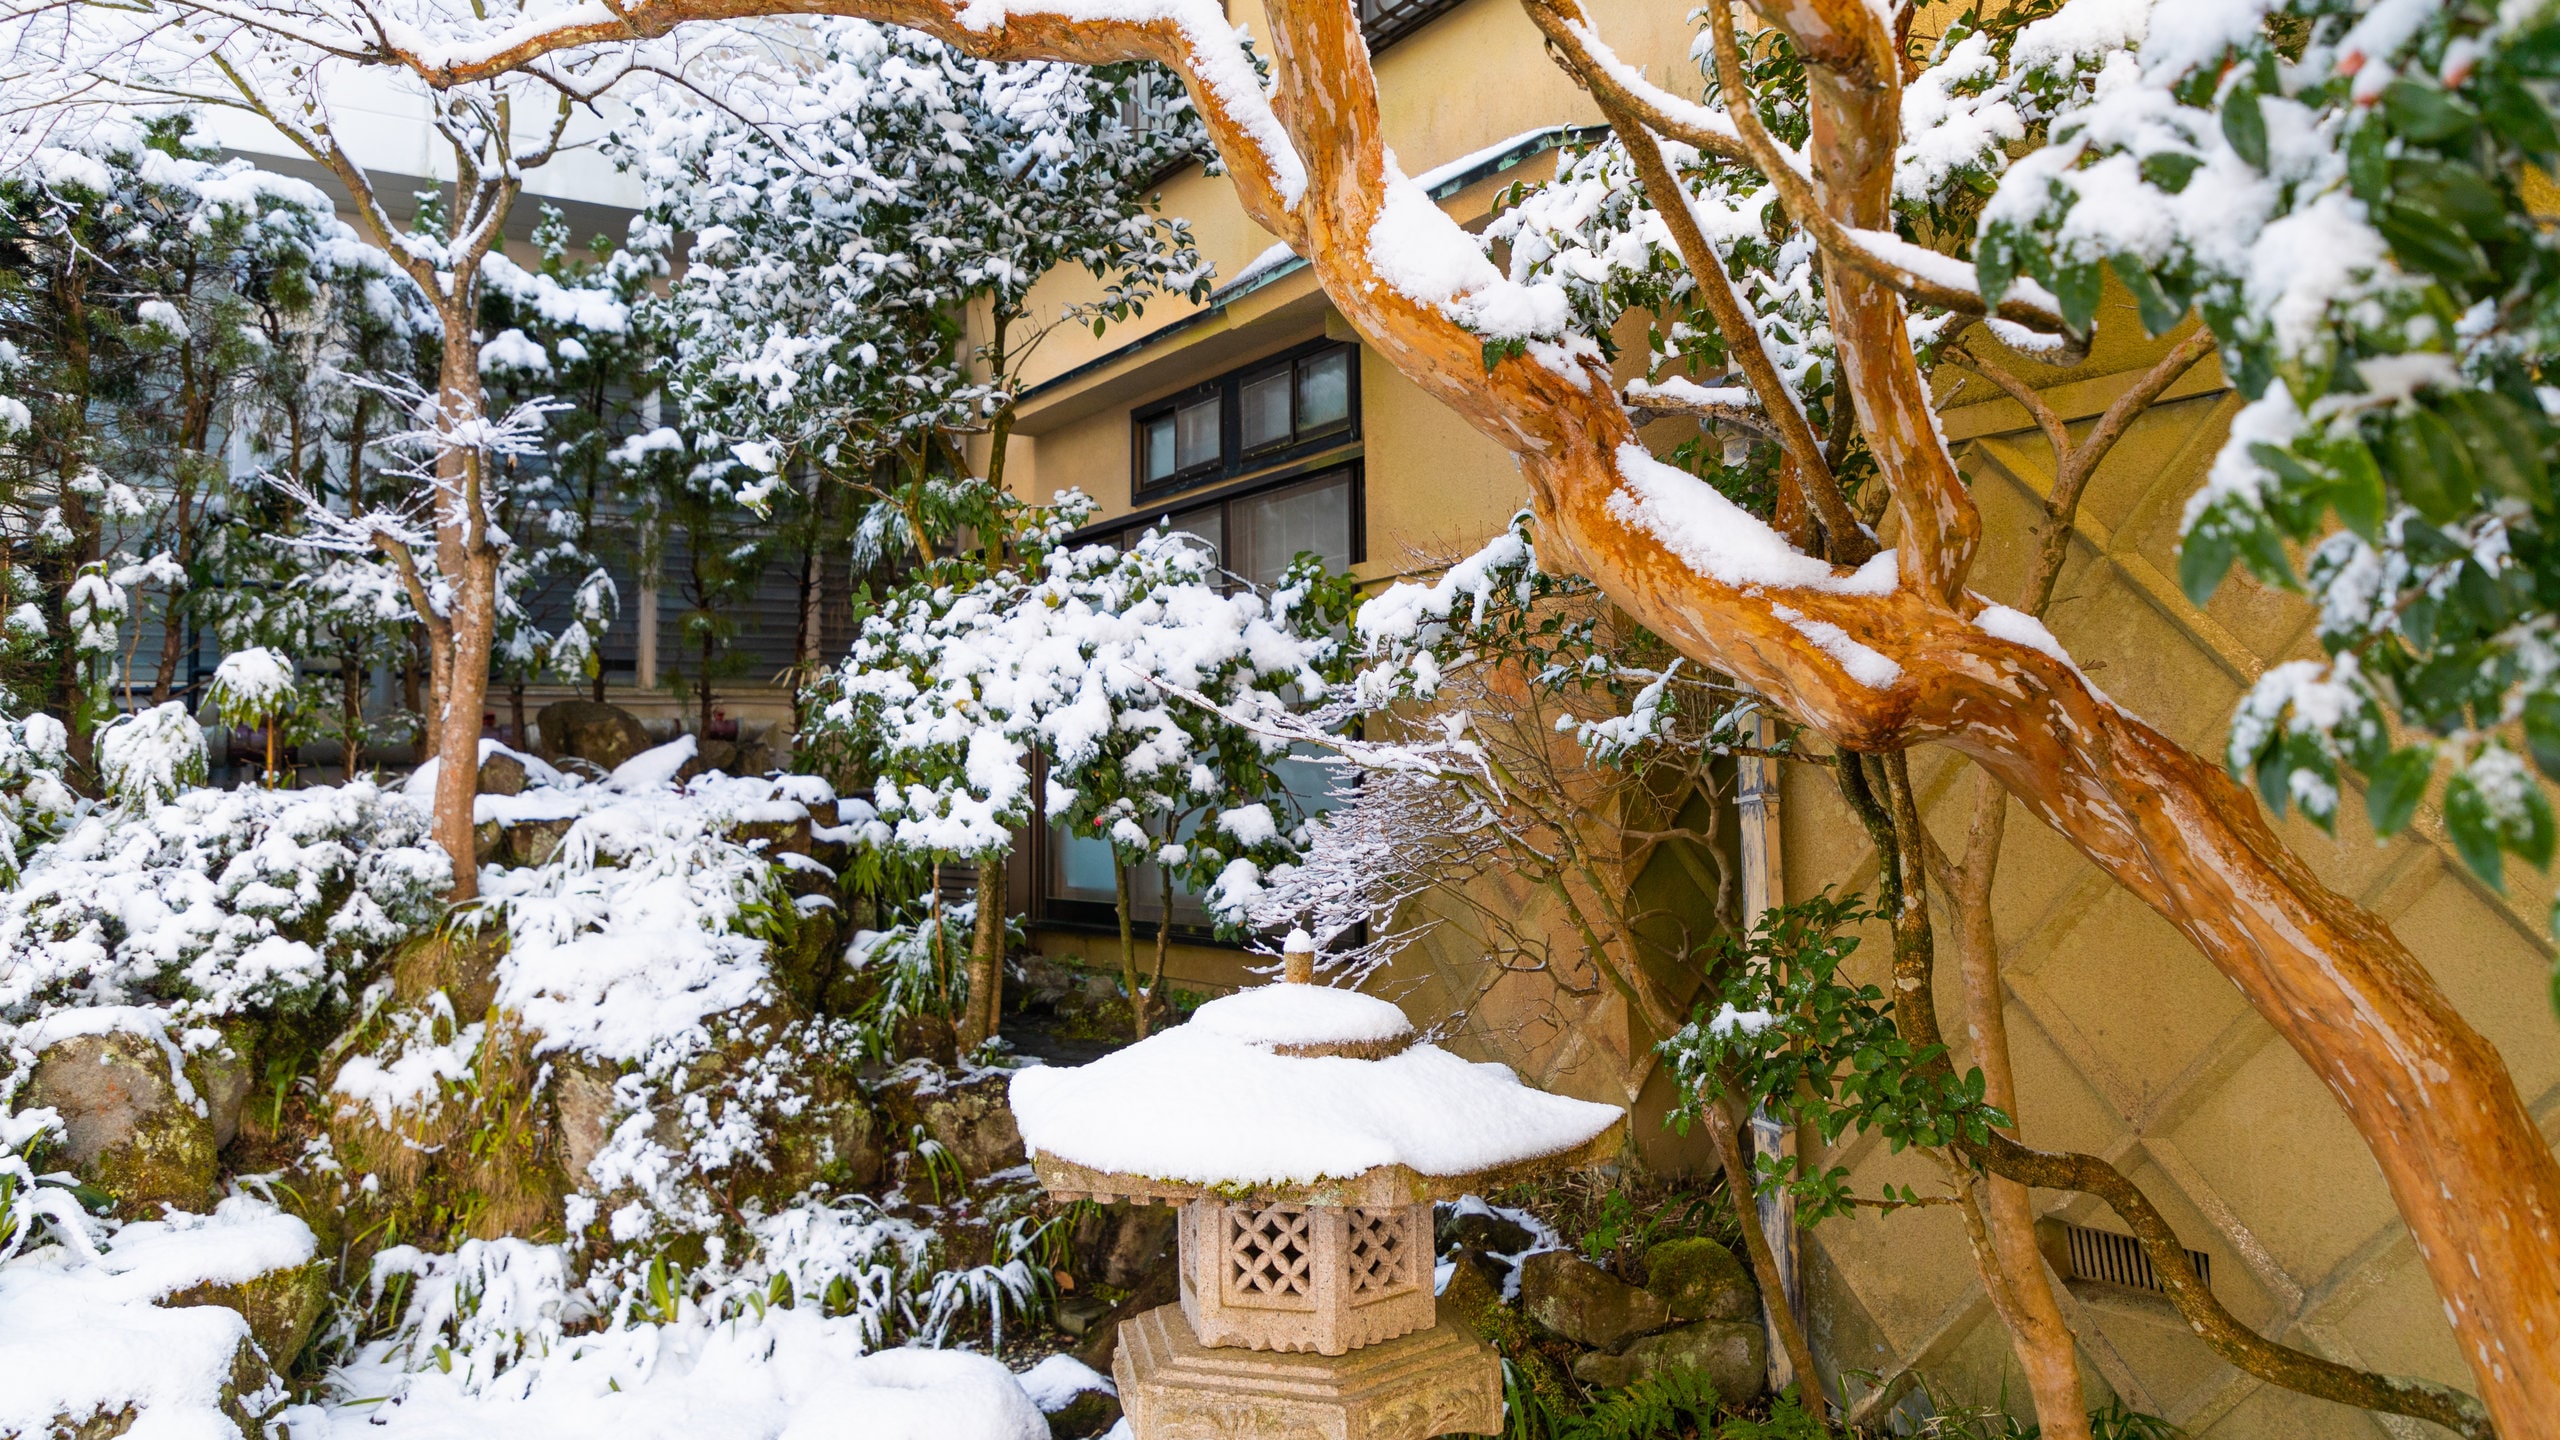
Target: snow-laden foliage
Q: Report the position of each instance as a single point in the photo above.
(1099, 661)
(216, 903)
(2337, 188)
(150, 757)
(500, 1333)
(836, 235)
(84, 1336)
(32, 1194)
(1592, 234)
(253, 686)
(34, 800)
(175, 303)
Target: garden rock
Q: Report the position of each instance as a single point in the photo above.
(127, 1128)
(1732, 1354)
(1483, 1230)
(1472, 1293)
(1121, 1243)
(966, 1111)
(1584, 1303)
(1091, 1413)
(221, 1076)
(1700, 1280)
(602, 735)
(534, 842)
(281, 1306)
(502, 774)
(586, 1117)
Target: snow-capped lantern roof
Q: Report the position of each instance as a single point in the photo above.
(1296, 1092)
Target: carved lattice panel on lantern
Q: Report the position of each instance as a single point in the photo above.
(1271, 1254)
(1325, 1278)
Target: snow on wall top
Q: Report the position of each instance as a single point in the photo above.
(1205, 1105)
(1272, 1015)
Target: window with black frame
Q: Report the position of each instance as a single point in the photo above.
(1301, 403)
(1255, 534)
(1386, 21)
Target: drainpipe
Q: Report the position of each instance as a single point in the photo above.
(1764, 888)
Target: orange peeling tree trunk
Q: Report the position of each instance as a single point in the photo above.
(2472, 1175)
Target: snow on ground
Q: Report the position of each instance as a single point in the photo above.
(781, 1375)
(80, 1334)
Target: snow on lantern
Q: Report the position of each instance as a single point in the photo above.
(1306, 1132)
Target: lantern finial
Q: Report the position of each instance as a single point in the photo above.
(1298, 958)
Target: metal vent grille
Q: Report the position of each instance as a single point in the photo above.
(2114, 1259)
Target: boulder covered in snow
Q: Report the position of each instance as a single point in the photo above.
(602, 735)
(133, 1123)
(149, 1337)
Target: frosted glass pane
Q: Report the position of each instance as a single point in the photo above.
(1324, 391)
(1266, 410)
(1198, 424)
(1271, 530)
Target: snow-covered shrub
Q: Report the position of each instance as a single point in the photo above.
(477, 1312)
(34, 799)
(30, 1189)
(256, 687)
(147, 757)
(216, 903)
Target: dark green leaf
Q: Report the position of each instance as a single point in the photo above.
(2204, 557)
(2519, 118)
(2503, 443)
(2429, 244)
(2355, 487)
(2272, 773)
(2397, 785)
(2542, 731)
(2466, 818)
(2078, 288)
(2369, 161)
(2535, 51)
(2456, 192)
(2430, 466)
(2535, 843)
(2159, 314)
(2170, 169)
(2244, 125)
(2425, 112)
(1995, 264)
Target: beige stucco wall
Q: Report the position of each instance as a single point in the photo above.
(2128, 1043)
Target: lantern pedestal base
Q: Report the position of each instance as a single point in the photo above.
(1440, 1381)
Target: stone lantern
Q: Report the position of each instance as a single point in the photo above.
(1305, 1131)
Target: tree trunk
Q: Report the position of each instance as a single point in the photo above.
(350, 712)
(2041, 1338)
(1164, 938)
(1128, 950)
(458, 667)
(986, 959)
(1739, 1188)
